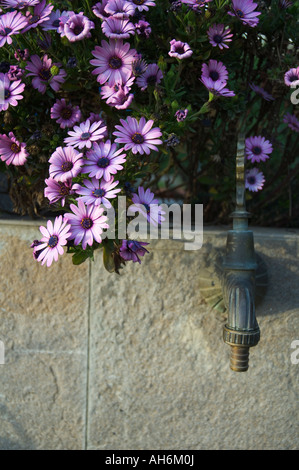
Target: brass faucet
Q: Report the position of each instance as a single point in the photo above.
(238, 280)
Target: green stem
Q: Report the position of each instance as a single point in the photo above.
(88, 7)
(180, 69)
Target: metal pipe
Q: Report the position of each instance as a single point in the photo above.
(241, 331)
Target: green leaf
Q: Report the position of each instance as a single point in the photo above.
(50, 94)
(206, 180)
(79, 258)
(108, 258)
(70, 86)
(81, 255)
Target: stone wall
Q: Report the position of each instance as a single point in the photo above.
(99, 361)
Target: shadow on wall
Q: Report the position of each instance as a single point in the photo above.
(277, 279)
(282, 292)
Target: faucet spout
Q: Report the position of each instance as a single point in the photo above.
(241, 331)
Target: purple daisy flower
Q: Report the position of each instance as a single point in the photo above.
(181, 115)
(130, 250)
(291, 121)
(143, 4)
(97, 192)
(139, 67)
(57, 191)
(65, 163)
(257, 149)
(78, 27)
(121, 99)
(63, 19)
(41, 13)
(19, 4)
(95, 117)
(219, 35)
(86, 134)
(54, 239)
(15, 73)
(10, 23)
(216, 88)
(143, 28)
(20, 55)
(99, 9)
(104, 160)
(65, 114)
(119, 8)
(87, 223)
(244, 10)
(10, 92)
(113, 61)
(117, 28)
(139, 137)
(179, 49)
(12, 152)
(151, 77)
(260, 91)
(109, 92)
(284, 4)
(216, 71)
(196, 3)
(44, 73)
(34, 245)
(145, 203)
(53, 23)
(254, 180)
(291, 77)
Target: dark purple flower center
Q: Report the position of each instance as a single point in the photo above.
(257, 150)
(293, 78)
(7, 30)
(122, 99)
(86, 223)
(151, 80)
(147, 208)
(85, 136)
(53, 241)
(78, 29)
(214, 75)
(67, 166)
(138, 2)
(103, 162)
(66, 113)
(137, 138)
(180, 50)
(240, 13)
(56, 23)
(44, 74)
(7, 94)
(251, 180)
(99, 192)
(217, 38)
(115, 62)
(15, 148)
(34, 19)
(64, 190)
